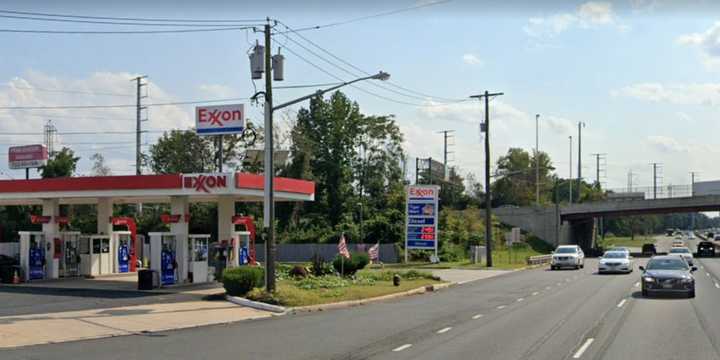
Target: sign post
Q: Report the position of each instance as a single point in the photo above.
(421, 215)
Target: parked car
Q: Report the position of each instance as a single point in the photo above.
(667, 274)
(683, 252)
(705, 248)
(567, 256)
(649, 250)
(615, 261)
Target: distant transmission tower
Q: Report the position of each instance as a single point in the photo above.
(50, 133)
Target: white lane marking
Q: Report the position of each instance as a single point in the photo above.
(637, 284)
(582, 349)
(402, 347)
(707, 274)
(520, 299)
(717, 285)
(501, 307)
(444, 330)
(559, 284)
(621, 303)
(477, 316)
(547, 288)
(534, 293)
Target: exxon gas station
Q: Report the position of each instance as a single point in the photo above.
(175, 256)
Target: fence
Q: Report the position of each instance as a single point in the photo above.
(661, 192)
(539, 259)
(305, 252)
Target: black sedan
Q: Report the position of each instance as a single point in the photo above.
(668, 274)
(705, 248)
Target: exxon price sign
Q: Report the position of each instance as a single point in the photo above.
(28, 156)
(219, 120)
(421, 217)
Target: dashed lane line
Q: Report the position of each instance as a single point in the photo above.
(717, 285)
(637, 284)
(621, 303)
(444, 330)
(501, 307)
(475, 317)
(547, 288)
(520, 299)
(402, 347)
(534, 293)
(583, 348)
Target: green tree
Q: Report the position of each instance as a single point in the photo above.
(63, 164)
(516, 178)
(99, 167)
(182, 152)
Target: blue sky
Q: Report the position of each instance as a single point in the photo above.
(641, 74)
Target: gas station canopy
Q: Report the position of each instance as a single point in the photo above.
(206, 187)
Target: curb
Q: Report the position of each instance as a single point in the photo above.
(255, 304)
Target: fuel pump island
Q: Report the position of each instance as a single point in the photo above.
(176, 256)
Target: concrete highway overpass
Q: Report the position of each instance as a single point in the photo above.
(575, 224)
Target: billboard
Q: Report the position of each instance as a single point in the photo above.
(421, 217)
(219, 120)
(27, 156)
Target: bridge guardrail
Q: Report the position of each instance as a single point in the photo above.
(539, 259)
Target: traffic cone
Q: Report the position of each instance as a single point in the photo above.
(16, 278)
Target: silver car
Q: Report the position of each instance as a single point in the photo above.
(616, 262)
(684, 252)
(568, 256)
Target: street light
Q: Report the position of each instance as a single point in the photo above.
(537, 160)
(269, 193)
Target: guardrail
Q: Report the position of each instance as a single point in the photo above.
(539, 259)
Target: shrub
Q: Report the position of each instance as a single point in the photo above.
(322, 282)
(239, 281)
(320, 267)
(357, 261)
(298, 272)
(387, 275)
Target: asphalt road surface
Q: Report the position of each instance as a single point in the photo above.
(536, 314)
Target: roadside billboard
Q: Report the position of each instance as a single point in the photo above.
(421, 217)
(220, 120)
(27, 156)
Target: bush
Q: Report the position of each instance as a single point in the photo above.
(357, 261)
(298, 272)
(323, 282)
(387, 275)
(239, 281)
(320, 267)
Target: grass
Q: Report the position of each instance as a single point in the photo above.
(502, 260)
(626, 241)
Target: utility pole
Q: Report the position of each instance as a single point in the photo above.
(537, 160)
(570, 181)
(138, 127)
(445, 133)
(692, 182)
(579, 178)
(269, 207)
(630, 180)
(655, 177)
(488, 195)
(598, 169)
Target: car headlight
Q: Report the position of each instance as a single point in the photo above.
(648, 279)
(686, 280)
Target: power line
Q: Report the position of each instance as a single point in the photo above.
(367, 17)
(74, 16)
(64, 91)
(66, 107)
(127, 32)
(75, 21)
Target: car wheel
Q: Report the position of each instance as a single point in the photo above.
(644, 293)
(552, 267)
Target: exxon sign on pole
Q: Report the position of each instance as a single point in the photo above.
(28, 156)
(219, 120)
(421, 217)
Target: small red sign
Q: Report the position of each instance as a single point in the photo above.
(62, 220)
(170, 219)
(40, 219)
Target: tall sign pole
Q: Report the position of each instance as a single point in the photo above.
(488, 195)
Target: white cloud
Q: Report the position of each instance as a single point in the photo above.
(101, 88)
(472, 59)
(666, 144)
(681, 94)
(708, 42)
(588, 15)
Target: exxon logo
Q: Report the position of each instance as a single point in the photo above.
(204, 183)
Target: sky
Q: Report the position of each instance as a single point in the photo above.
(642, 76)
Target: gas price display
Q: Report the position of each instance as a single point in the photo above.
(422, 209)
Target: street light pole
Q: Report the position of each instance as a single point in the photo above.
(488, 195)
(570, 179)
(537, 160)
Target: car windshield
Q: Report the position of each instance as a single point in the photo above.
(615, 255)
(566, 250)
(679, 251)
(667, 264)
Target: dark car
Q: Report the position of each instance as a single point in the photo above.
(649, 250)
(705, 248)
(668, 274)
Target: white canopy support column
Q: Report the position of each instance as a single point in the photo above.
(104, 213)
(180, 205)
(51, 208)
(226, 229)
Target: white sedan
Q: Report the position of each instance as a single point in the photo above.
(684, 252)
(616, 261)
(567, 256)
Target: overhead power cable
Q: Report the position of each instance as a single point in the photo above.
(96, 32)
(64, 91)
(64, 107)
(123, 23)
(74, 16)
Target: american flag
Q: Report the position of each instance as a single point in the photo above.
(374, 252)
(342, 247)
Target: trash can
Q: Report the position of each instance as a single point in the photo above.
(146, 279)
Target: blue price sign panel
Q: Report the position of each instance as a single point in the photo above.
(421, 217)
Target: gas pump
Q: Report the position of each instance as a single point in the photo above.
(198, 257)
(33, 254)
(163, 252)
(247, 238)
(122, 240)
(132, 245)
(69, 253)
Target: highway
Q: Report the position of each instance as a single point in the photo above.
(534, 314)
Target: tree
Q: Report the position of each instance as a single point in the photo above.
(63, 164)
(99, 168)
(182, 152)
(516, 182)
